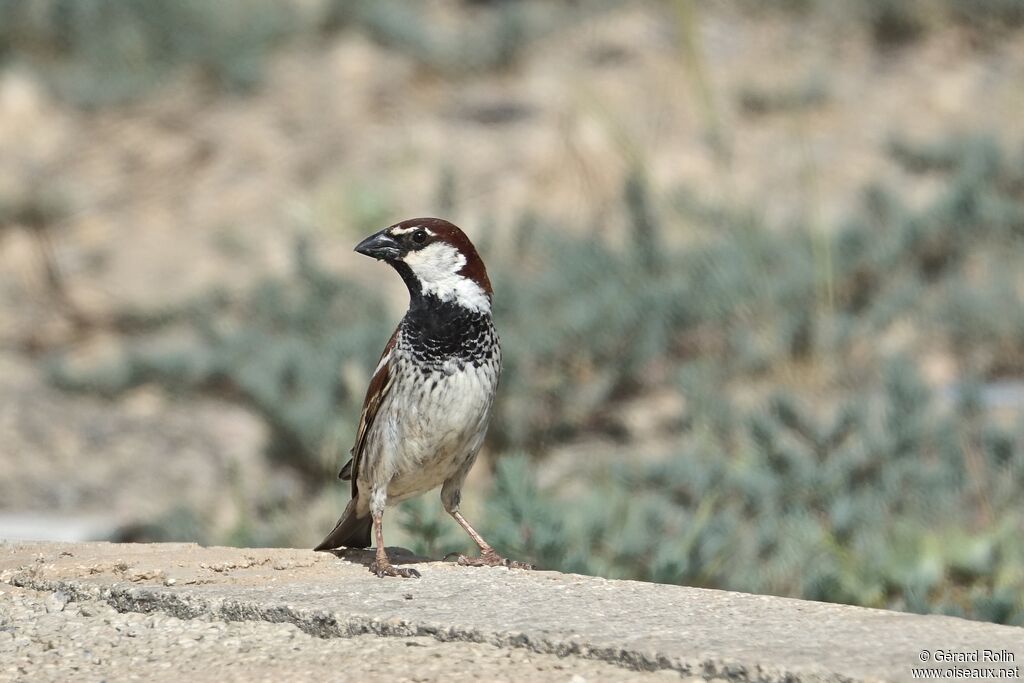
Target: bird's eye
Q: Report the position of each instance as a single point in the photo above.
(419, 237)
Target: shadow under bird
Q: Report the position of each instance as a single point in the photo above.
(429, 401)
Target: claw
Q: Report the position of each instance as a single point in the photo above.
(492, 559)
(383, 569)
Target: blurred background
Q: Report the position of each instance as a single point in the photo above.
(759, 272)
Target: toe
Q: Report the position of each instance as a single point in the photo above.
(492, 560)
(381, 570)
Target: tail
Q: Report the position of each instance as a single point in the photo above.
(350, 531)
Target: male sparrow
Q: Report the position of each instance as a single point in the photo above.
(429, 401)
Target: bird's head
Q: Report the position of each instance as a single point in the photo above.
(435, 258)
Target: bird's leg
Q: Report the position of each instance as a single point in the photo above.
(488, 556)
(382, 566)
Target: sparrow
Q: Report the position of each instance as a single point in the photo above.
(429, 401)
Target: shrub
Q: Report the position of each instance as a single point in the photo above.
(98, 52)
(878, 506)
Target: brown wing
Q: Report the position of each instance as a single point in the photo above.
(380, 384)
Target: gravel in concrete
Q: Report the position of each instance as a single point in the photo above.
(256, 606)
(44, 638)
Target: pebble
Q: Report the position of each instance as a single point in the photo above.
(56, 602)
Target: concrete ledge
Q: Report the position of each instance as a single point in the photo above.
(626, 626)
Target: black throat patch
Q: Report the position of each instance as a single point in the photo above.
(437, 331)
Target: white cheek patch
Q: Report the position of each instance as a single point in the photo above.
(437, 267)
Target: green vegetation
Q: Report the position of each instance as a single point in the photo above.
(496, 40)
(898, 23)
(814, 459)
(858, 485)
(97, 53)
(891, 503)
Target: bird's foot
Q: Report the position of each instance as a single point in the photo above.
(385, 568)
(491, 559)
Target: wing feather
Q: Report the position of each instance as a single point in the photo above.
(380, 385)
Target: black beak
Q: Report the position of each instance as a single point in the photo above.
(381, 246)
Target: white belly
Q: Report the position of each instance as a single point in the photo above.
(428, 433)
